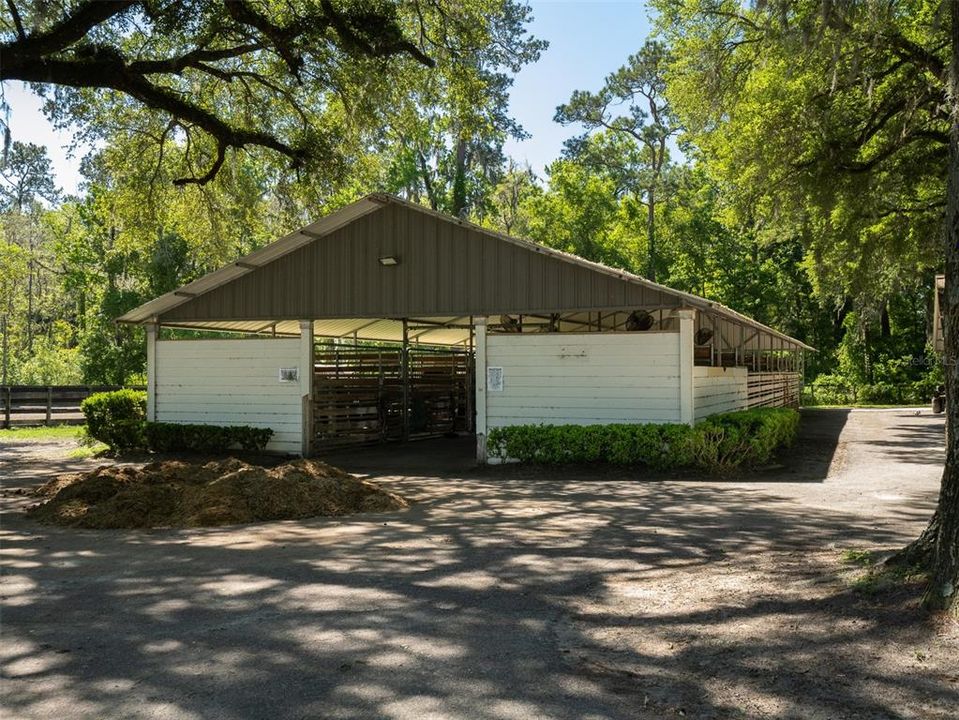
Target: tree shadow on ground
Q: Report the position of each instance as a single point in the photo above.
(479, 602)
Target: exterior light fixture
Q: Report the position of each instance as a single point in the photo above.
(389, 260)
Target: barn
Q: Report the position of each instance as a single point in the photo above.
(388, 321)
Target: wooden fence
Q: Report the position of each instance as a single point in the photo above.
(45, 404)
(360, 396)
(773, 389)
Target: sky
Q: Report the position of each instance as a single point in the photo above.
(587, 41)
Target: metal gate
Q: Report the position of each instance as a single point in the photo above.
(368, 394)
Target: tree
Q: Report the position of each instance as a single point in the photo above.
(446, 138)
(290, 77)
(647, 119)
(25, 177)
(837, 122)
(580, 213)
(507, 200)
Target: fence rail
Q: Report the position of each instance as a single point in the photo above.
(359, 395)
(45, 404)
(773, 389)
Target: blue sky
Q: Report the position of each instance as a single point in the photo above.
(588, 40)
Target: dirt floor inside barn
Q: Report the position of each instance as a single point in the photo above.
(509, 592)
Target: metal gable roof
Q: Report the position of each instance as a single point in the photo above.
(449, 268)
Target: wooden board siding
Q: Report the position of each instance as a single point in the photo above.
(584, 378)
(358, 394)
(773, 389)
(719, 390)
(231, 382)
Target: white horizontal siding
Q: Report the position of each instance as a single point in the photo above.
(231, 382)
(584, 378)
(719, 390)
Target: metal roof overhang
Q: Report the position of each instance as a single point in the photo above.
(441, 330)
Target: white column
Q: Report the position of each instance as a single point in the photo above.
(151, 329)
(480, 365)
(306, 385)
(687, 319)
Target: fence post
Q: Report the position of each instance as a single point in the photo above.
(6, 406)
(49, 403)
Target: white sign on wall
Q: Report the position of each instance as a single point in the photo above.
(289, 375)
(494, 379)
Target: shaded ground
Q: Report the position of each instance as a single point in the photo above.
(502, 593)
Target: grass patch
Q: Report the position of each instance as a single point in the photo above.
(864, 406)
(95, 449)
(878, 577)
(41, 433)
(862, 558)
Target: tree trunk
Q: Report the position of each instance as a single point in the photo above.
(944, 526)
(459, 180)
(651, 233)
(30, 301)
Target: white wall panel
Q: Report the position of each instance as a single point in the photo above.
(231, 382)
(719, 390)
(584, 378)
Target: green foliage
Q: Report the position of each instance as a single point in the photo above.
(717, 444)
(167, 437)
(824, 122)
(116, 418)
(724, 442)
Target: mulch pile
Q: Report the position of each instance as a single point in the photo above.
(173, 493)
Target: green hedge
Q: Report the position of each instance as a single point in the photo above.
(166, 437)
(719, 443)
(116, 418)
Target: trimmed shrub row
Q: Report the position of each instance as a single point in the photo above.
(717, 444)
(164, 437)
(117, 419)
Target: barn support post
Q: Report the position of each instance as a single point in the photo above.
(687, 321)
(471, 382)
(480, 365)
(306, 386)
(405, 377)
(151, 330)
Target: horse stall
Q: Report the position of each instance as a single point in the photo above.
(368, 394)
(387, 321)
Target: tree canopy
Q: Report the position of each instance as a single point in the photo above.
(297, 78)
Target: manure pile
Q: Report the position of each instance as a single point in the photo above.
(223, 492)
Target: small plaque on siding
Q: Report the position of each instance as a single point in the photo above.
(494, 379)
(289, 375)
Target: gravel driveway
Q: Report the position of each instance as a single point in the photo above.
(503, 593)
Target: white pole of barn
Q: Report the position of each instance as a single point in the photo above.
(306, 386)
(687, 320)
(152, 331)
(480, 364)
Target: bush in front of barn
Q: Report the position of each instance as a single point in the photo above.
(167, 437)
(749, 437)
(717, 444)
(116, 418)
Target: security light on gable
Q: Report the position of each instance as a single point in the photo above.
(389, 260)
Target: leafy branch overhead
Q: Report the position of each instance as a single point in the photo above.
(231, 75)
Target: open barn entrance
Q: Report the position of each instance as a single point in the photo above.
(377, 393)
